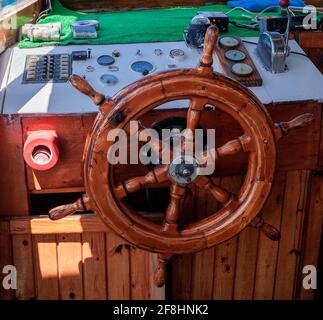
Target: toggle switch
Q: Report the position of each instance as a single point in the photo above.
(41, 150)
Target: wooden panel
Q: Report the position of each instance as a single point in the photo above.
(225, 254)
(321, 145)
(302, 144)
(311, 40)
(42, 225)
(291, 230)
(14, 197)
(46, 267)
(23, 261)
(140, 276)
(94, 260)
(118, 263)
(181, 277)
(203, 262)
(268, 249)
(70, 270)
(254, 80)
(127, 4)
(312, 233)
(72, 132)
(246, 264)
(5, 258)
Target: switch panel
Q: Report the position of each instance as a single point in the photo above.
(47, 68)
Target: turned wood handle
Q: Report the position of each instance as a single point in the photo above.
(84, 87)
(301, 121)
(160, 274)
(271, 232)
(210, 40)
(68, 209)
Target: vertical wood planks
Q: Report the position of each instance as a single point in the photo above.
(70, 267)
(291, 230)
(312, 233)
(14, 195)
(140, 274)
(46, 267)
(225, 254)
(246, 264)
(24, 262)
(268, 249)
(5, 258)
(118, 265)
(93, 254)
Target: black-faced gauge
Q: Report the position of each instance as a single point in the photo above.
(242, 69)
(235, 55)
(142, 67)
(229, 42)
(108, 80)
(106, 60)
(177, 54)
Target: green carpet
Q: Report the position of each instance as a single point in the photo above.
(134, 26)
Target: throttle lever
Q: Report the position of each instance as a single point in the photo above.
(84, 87)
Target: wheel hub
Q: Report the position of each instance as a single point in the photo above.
(184, 169)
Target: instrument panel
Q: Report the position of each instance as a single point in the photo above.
(109, 68)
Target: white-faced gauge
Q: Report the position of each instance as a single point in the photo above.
(242, 69)
(177, 54)
(235, 55)
(229, 42)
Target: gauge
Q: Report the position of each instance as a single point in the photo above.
(108, 80)
(229, 42)
(242, 69)
(235, 55)
(113, 68)
(143, 67)
(177, 54)
(158, 52)
(106, 60)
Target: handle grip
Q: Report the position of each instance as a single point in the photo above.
(302, 121)
(271, 232)
(84, 87)
(210, 40)
(65, 210)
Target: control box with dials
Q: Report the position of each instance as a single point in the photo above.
(47, 68)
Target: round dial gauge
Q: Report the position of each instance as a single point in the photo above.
(106, 60)
(108, 80)
(235, 55)
(142, 67)
(177, 54)
(229, 42)
(242, 69)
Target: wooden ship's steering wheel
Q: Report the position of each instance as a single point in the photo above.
(202, 87)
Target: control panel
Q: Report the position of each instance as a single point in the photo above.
(36, 79)
(45, 68)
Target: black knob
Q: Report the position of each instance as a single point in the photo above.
(145, 72)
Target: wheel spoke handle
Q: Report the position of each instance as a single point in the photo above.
(284, 128)
(80, 205)
(84, 87)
